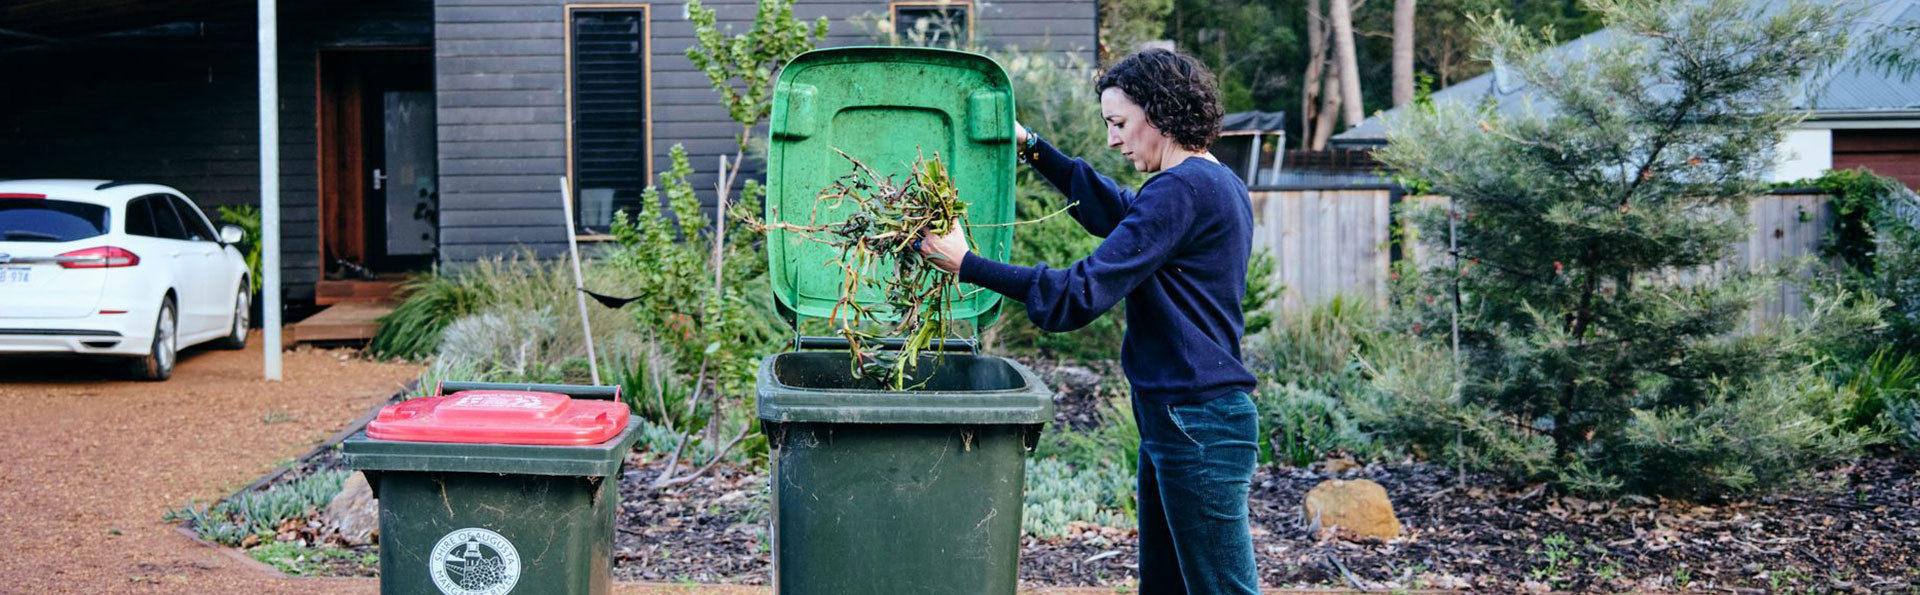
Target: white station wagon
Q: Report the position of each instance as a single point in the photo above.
(119, 269)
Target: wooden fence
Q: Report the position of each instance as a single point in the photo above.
(1331, 242)
(1326, 242)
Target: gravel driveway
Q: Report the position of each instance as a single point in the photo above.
(91, 463)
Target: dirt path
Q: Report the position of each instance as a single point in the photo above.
(91, 464)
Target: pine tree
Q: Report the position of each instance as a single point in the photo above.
(1634, 162)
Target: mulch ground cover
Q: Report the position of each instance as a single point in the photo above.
(1858, 531)
(1851, 529)
(1854, 529)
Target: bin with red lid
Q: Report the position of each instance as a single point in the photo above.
(495, 488)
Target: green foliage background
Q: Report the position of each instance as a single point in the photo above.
(247, 218)
(1259, 47)
(1571, 219)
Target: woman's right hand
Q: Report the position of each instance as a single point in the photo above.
(1019, 133)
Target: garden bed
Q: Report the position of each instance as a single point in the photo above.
(1855, 534)
(1852, 531)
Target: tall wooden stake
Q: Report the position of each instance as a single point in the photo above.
(579, 281)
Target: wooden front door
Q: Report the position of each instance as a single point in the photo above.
(378, 184)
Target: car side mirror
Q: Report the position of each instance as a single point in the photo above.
(231, 235)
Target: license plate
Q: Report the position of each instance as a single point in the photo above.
(14, 275)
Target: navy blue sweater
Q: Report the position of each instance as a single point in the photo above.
(1177, 251)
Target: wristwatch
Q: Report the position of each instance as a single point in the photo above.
(1027, 150)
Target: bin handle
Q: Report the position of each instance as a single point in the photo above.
(572, 390)
(948, 345)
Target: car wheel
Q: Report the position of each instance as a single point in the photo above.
(237, 335)
(157, 364)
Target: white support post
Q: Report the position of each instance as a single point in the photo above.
(1253, 160)
(270, 186)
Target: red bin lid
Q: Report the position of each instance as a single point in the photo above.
(501, 417)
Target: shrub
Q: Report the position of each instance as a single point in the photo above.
(668, 258)
(1309, 367)
(1869, 386)
(1572, 217)
(506, 342)
(1408, 405)
(644, 373)
(1740, 438)
(1059, 493)
(1304, 425)
(1896, 279)
(1875, 245)
(1114, 440)
(260, 514)
(1263, 292)
(1316, 346)
(519, 281)
(444, 371)
(1903, 413)
(711, 327)
(412, 329)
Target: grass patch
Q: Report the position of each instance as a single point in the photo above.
(299, 560)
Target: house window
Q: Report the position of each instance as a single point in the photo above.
(933, 24)
(610, 146)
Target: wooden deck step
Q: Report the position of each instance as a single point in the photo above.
(341, 292)
(346, 321)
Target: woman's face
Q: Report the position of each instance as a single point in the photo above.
(1129, 131)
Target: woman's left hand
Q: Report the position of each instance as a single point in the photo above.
(945, 251)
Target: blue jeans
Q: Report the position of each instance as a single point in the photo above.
(1196, 465)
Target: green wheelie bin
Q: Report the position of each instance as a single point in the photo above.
(491, 489)
(877, 491)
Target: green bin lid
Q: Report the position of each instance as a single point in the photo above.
(885, 106)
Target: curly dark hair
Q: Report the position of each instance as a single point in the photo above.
(1177, 92)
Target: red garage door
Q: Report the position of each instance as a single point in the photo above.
(1893, 153)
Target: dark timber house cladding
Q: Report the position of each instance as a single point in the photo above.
(165, 91)
(175, 104)
(501, 67)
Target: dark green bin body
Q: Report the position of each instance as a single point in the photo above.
(878, 492)
(881, 492)
(554, 504)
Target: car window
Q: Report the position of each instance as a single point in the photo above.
(197, 227)
(164, 220)
(42, 220)
(140, 218)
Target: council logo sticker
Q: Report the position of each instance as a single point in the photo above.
(474, 561)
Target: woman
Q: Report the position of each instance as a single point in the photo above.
(1177, 251)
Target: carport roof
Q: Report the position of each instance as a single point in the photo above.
(34, 22)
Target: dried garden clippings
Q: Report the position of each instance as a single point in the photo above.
(887, 218)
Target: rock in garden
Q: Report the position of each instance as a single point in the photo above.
(353, 512)
(1360, 506)
(1073, 378)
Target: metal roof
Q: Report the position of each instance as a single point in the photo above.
(1252, 122)
(29, 22)
(1857, 89)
